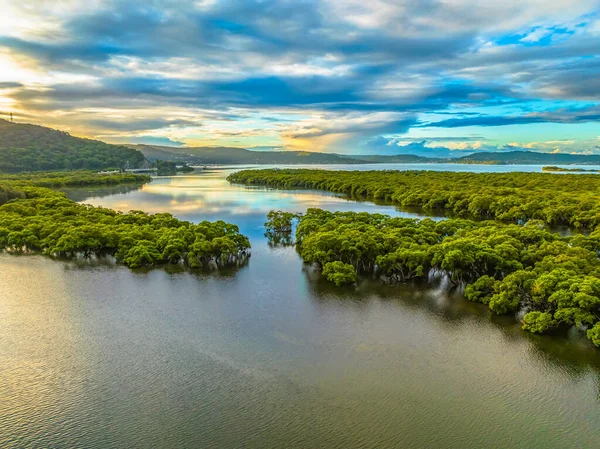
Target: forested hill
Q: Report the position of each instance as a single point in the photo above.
(25, 147)
(530, 158)
(230, 155)
(233, 156)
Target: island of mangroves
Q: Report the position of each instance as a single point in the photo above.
(498, 243)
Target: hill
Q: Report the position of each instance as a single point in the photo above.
(529, 158)
(232, 156)
(25, 147)
(399, 159)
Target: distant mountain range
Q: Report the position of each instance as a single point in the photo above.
(25, 147)
(235, 156)
(530, 158)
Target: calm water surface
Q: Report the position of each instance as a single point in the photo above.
(99, 356)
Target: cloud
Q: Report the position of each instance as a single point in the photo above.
(560, 115)
(485, 121)
(537, 34)
(137, 125)
(10, 85)
(457, 148)
(317, 74)
(390, 147)
(145, 140)
(344, 133)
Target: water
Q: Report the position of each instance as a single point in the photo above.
(99, 356)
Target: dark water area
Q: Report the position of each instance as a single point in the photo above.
(95, 355)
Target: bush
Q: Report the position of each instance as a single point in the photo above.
(339, 273)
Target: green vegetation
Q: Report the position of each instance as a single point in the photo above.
(8, 193)
(72, 179)
(279, 222)
(571, 200)
(168, 168)
(339, 273)
(25, 147)
(279, 227)
(529, 158)
(553, 168)
(511, 264)
(509, 267)
(34, 218)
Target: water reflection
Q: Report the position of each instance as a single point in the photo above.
(206, 195)
(82, 193)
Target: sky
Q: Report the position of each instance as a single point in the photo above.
(428, 77)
